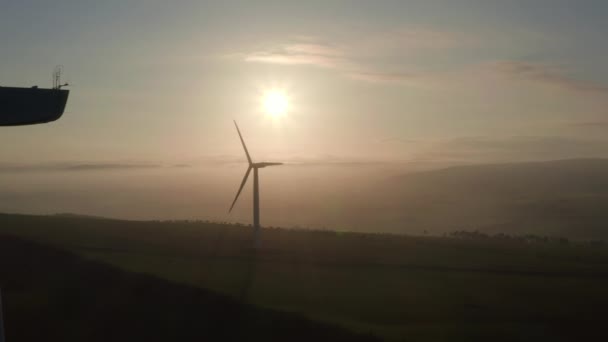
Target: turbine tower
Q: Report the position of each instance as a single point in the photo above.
(256, 188)
(1, 320)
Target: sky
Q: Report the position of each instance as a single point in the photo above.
(406, 85)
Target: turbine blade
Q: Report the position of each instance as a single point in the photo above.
(243, 142)
(264, 164)
(241, 188)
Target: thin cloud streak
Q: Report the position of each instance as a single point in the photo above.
(74, 167)
(547, 75)
(599, 124)
(383, 77)
(511, 149)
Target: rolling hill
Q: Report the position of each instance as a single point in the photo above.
(560, 198)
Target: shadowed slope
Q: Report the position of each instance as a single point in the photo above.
(51, 295)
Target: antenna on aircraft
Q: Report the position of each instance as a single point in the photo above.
(57, 78)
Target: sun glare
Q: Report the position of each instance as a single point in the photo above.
(275, 103)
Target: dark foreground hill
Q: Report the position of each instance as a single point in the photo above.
(398, 287)
(53, 295)
(560, 198)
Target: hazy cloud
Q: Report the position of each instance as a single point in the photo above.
(300, 54)
(548, 75)
(359, 59)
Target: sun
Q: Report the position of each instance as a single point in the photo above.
(275, 103)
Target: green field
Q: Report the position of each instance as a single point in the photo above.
(397, 287)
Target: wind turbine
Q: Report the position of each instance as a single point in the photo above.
(256, 188)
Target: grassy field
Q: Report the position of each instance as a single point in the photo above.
(400, 288)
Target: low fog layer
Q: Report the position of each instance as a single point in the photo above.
(306, 196)
(565, 198)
